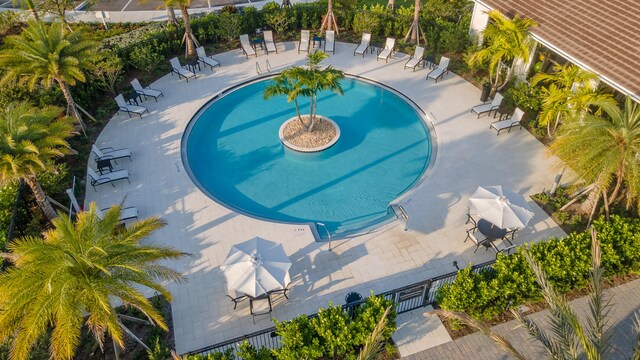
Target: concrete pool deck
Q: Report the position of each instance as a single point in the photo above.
(469, 155)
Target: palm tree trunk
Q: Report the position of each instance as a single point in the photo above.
(32, 10)
(41, 197)
(592, 200)
(392, 5)
(71, 103)
(171, 15)
(619, 180)
(188, 33)
(414, 30)
(295, 101)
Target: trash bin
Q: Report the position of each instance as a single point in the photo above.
(486, 89)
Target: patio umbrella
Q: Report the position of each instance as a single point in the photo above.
(256, 267)
(501, 207)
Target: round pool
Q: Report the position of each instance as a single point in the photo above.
(232, 151)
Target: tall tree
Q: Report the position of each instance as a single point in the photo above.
(72, 277)
(568, 338)
(329, 22)
(604, 150)
(30, 139)
(505, 40)
(46, 54)
(569, 94)
(188, 37)
(413, 35)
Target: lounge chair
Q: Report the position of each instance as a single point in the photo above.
(364, 45)
(477, 238)
(206, 60)
(508, 124)
(269, 44)
(155, 94)
(502, 246)
(110, 153)
(129, 109)
(260, 307)
(247, 49)
(440, 70)
(493, 106)
(107, 178)
(126, 213)
(305, 39)
(416, 59)
(385, 54)
(330, 42)
(181, 70)
(236, 298)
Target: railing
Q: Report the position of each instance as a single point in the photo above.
(401, 214)
(322, 225)
(407, 298)
(258, 70)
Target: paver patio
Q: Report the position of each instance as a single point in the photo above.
(468, 155)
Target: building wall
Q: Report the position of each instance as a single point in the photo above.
(479, 21)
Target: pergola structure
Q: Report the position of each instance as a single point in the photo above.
(599, 36)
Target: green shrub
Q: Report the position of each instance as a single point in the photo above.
(247, 351)
(145, 58)
(526, 97)
(469, 293)
(230, 26)
(299, 340)
(159, 350)
(369, 314)
(227, 355)
(366, 21)
(278, 20)
(8, 19)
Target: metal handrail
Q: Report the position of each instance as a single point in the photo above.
(258, 70)
(318, 225)
(400, 213)
(268, 66)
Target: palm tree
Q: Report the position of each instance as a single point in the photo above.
(505, 41)
(30, 139)
(308, 82)
(414, 30)
(568, 338)
(569, 94)
(188, 37)
(31, 7)
(46, 54)
(72, 277)
(329, 21)
(604, 151)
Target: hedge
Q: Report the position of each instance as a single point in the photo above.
(566, 261)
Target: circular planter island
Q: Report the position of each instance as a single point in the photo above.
(324, 135)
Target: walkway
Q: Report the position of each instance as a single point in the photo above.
(479, 347)
(469, 155)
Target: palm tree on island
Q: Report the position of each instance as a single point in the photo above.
(308, 82)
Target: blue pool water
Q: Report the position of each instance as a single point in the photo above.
(235, 156)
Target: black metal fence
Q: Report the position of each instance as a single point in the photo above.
(407, 298)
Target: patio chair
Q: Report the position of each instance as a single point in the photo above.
(107, 178)
(269, 44)
(283, 291)
(364, 45)
(477, 238)
(247, 49)
(416, 59)
(145, 91)
(502, 246)
(236, 298)
(385, 54)
(508, 124)
(181, 70)
(205, 59)
(110, 153)
(259, 307)
(129, 109)
(440, 70)
(493, 106)
(126, 213)
(470, 219)
(305, 39)
(330, 42)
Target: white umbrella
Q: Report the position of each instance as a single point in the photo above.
(501, 207)
(256, 267)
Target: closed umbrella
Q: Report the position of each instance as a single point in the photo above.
(256, 267)
(501, 207)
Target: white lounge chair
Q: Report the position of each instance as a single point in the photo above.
(416, 59)
(330, 42)
(385, 54)
(483, 108)
(107, 178)
(182, 72)
(508, 124)
(205, 59)
(305, 39)
(110, 153)
(145, 91)
(126, 213)
(364, 45)
(269, 44)
(129, 109)
(247, 49)
(440, 70)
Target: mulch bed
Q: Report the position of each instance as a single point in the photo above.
(295, 133)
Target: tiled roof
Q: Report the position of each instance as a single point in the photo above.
(602, 35)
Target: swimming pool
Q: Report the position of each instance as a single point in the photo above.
(232, 151)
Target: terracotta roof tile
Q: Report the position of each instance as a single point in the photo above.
(603, 35)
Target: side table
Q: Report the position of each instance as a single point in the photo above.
(103, 165)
